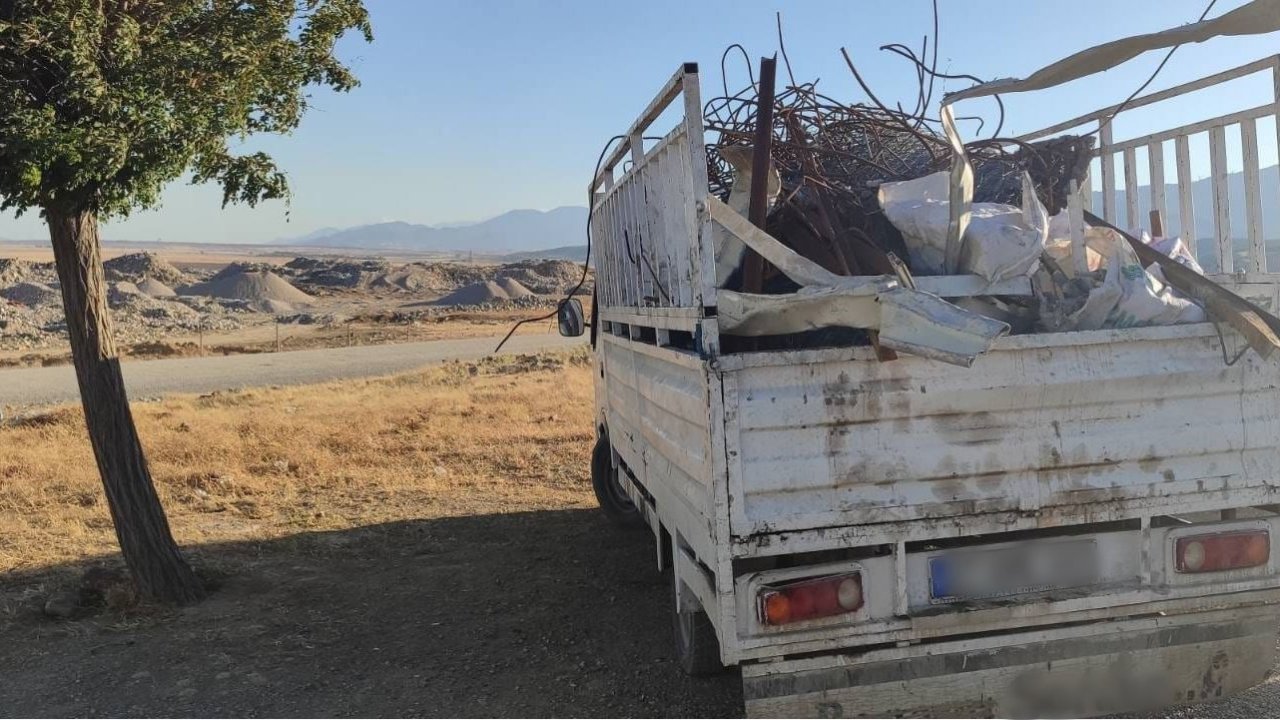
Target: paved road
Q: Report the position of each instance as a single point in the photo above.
(43, 386)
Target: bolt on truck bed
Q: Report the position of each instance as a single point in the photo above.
(1078, 522)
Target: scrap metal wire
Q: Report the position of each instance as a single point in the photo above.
(833, 156)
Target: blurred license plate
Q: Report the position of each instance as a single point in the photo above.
(1012, 570)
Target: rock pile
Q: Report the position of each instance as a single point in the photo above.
(260, 289)
(135, 267)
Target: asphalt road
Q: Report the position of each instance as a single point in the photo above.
(46, 386)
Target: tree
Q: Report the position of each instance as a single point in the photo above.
(104, 102)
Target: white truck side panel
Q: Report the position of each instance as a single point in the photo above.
(657, 408)
(1051, 422)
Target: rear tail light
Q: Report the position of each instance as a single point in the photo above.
(810, 599)
(1222, 551)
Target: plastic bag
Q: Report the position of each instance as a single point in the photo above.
(1002, 241)
(1175, 248)
(1130, 296)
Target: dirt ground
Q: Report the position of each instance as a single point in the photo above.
(432, 549)
(523, 614)
(263, 338)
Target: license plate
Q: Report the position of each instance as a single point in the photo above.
(1012, 570)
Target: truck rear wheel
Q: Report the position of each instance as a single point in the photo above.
(609, 492)
(697, 647)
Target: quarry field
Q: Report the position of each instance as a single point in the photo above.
(180, 301)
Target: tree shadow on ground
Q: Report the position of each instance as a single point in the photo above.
(550, 613)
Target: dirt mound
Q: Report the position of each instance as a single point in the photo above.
(545, 277)
(339, 273)
(12, 271)
(253, 286)
(121, 292)
(274, 307)
(31, 294)
(239, 268)
(480, 293)
(154, 288)
(513, 288)
(426, 277)
(136, 266)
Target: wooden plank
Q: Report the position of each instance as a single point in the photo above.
(1155, 167)
(1086, 189)
(1108, 173)
(952, 286)
(1186, 202)
(1075, 224)
(1201, 83)
(1252, 196)
(1132, 218)
(1221, 199)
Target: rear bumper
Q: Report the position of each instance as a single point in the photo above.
(1093, 669)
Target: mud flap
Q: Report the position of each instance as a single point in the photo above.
(1092, 670)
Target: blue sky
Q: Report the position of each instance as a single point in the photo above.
(469, 108)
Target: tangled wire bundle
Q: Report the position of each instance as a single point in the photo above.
(832, 157)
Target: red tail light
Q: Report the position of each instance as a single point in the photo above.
(1222, 551)
(809, 599)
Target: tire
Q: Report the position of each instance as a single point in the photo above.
(697, 648)
(609, 493)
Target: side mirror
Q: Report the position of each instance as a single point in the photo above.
(572, 320)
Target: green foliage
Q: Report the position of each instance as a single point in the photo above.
(103, 102)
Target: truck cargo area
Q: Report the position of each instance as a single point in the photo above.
(901, 468)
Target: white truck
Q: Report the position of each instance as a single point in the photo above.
(1080, 521)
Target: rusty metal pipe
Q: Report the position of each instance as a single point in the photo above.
(762, 151)
(763, 148)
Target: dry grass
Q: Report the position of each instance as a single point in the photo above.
(463, 439)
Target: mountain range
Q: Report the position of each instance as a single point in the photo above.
(560, 232)
(1202, 201)
(517, 231)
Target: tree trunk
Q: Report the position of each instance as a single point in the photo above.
(141, 528)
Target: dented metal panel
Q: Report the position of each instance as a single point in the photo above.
(1149, 414)
(656, 408)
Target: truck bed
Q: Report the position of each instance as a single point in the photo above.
(1044, 430)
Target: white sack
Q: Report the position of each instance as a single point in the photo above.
(1001, 241)
(1175, 248)
(1132, 297)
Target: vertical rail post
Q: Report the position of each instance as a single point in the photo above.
(1155, 166)
(1252, 196)
(1275, 94)
(1132, 219)
(1186, 201)
(1221, 200)
(1108, 172)
(704, 260)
